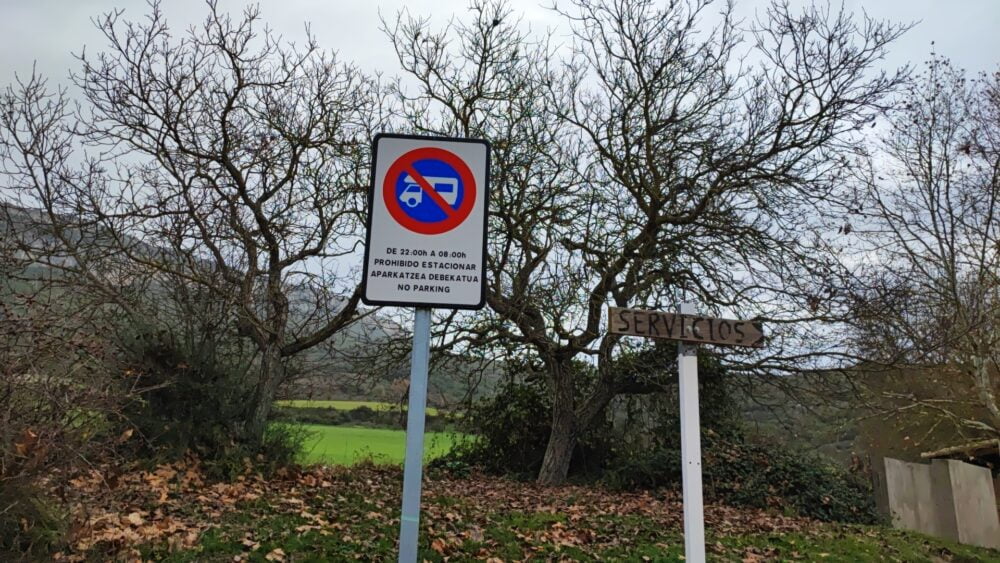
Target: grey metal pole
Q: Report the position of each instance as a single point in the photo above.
(694, 513)
(409, 522)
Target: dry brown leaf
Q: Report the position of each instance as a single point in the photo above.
(26, 443)
(439, 545)
(134, 518)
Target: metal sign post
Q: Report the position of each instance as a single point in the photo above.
(425, 246)
(694, 513)
(689, 330)
(409, 525)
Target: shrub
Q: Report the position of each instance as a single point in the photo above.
(58, 407)
(759, 475)
(510, 432)
(312, 415)
(29, 527)
(361, 414)
(194, 400)
(768, 475)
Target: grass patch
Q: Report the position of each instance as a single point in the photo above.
(344, 405)
(850, 543)
(366, 530)
(347, 445)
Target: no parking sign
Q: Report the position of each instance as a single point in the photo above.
(426, 239)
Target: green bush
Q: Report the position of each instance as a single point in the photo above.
(312, 415)
(511, 432)
(195, 400)
(764, 475)
(361, 414)
(767, 475)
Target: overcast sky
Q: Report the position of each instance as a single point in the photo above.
(48, 31)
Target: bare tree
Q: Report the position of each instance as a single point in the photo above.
(222, 157)
(931, 272)
(646, 161)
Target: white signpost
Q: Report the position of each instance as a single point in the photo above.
(689, 330)
(425, 247)
(687, 391)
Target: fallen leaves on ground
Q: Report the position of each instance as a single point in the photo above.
(174, 505)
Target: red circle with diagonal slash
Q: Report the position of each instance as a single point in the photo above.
(404, 164)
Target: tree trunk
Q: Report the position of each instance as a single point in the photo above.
(563, 435)
(271, 371)
(569, 422)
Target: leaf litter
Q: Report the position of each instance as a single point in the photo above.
(174, 505)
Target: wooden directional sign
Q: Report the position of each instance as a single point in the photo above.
(688, 328)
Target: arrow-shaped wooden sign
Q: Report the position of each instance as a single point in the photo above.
(688, 328)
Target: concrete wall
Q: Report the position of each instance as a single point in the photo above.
(911, 500)
(948, 499)
(973, 499)
(996, 491)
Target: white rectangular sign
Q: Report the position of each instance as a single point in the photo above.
(426, 239)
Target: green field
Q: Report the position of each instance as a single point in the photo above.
(344, 405)
(346, 445)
